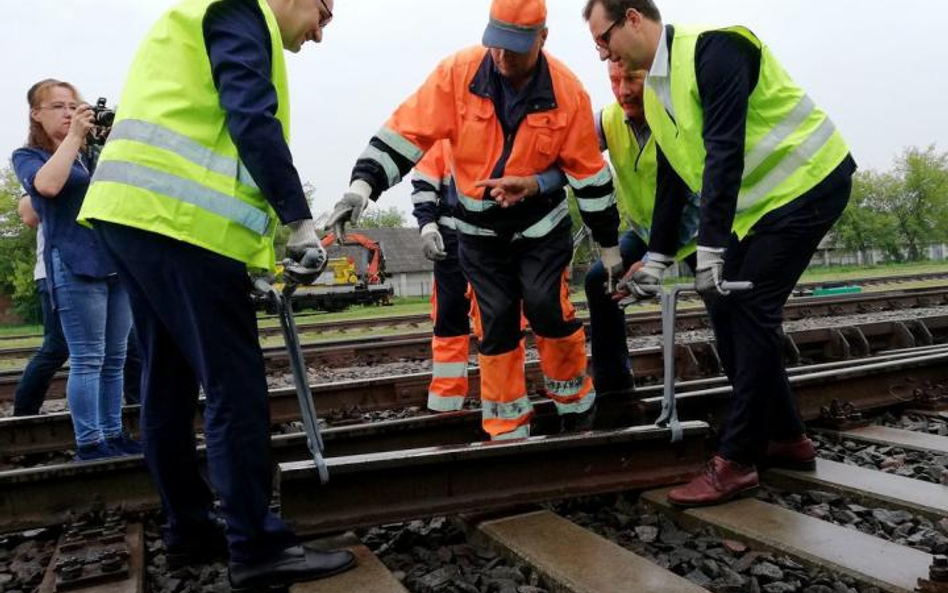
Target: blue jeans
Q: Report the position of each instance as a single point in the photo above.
(53, 354)
(96, 318)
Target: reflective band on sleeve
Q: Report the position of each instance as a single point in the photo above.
(603, 177)
(509, 411)
(448, 222)
(438, 403)
(778, 135)
(424, 197)
(546, 224)
(400, 144)
(388, 164)
(789, 165)
(596, 204)
(448, 370)
(184, 190)
(474, 205)
(136, 130)
(419, 176)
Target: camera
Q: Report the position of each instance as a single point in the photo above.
(102, 118)
(102, 115)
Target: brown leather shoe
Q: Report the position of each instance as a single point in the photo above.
(799, 455)
(721, 481)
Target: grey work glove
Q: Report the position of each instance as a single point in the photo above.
(306, 257)
(349, 209)
(645, 282)
(432, 243)
(709, 274)
(612, 261)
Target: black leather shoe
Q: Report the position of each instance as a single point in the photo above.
(292, 565)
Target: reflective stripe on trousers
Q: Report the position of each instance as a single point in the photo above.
(563, 361)
(505, 406)
(449, 382)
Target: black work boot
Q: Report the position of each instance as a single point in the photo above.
(292, 565)
(617, 408)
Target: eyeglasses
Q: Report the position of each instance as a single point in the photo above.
(61, 107)
(326, 19)
(602, 40)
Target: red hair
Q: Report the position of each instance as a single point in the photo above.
(38, 138)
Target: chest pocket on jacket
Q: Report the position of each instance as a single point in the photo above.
(478, 133)
(547, 130)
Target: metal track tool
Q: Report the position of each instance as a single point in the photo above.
(283, 302)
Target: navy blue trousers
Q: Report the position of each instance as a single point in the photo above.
(51, 356)
(197, 327)
(611, 366)
(453, 306)
(748, 327)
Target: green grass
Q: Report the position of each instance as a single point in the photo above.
(18, 330)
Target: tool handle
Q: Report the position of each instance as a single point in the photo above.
(737, 286)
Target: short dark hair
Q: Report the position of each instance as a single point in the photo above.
(616, 9)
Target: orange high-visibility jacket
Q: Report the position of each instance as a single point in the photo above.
(456, 103)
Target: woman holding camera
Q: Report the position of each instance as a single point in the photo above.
(93, 306)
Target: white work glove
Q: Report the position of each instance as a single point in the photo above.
(432, 243)
(349, 209)
(306, 257)
(709, 274)
(646, 281)
(612, 261)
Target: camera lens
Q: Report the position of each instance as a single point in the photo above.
(104, 117)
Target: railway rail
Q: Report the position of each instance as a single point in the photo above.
(416, 346)
(431, 466)
(696, 363)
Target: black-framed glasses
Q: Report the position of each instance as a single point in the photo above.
(602, 40)
(326, 19)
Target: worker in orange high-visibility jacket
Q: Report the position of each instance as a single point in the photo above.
(453, 306)
(510, 112)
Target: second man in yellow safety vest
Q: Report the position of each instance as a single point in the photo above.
(774, 175)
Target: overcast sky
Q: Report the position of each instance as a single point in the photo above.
(878, 68)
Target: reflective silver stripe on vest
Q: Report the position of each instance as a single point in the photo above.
(136, 130)
(789, 165)
(448, 222)
(537, 230)
(424, 197)
(778, 135)
(448, 370)
(473, 205)
(440, 403)
(603, 177)
(400, 145)
(383, 158)
(509, 411)
(596, 204)
(184, 190)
